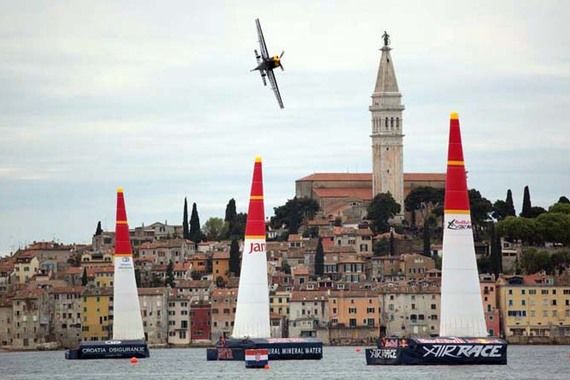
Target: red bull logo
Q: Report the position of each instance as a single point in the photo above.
(456, 224)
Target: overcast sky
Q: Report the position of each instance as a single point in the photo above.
(157, 97)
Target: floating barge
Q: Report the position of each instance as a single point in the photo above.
(438, 351)
(110, 349)
(278, 348)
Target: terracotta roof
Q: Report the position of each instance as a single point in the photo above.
(421, 177)
(354, 177)
(308, 295)
(364, 193)
(151, 291)
(221, 255)
(300, 270)
(29, 293)
(67, 290)
(182, 267)
(92, 271)
(192, 284)
(338, 177)
(73, 270)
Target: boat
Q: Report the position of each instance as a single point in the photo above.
(128, 333)
(251, 324)
(463, 333)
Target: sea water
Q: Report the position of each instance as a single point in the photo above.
(525, 362)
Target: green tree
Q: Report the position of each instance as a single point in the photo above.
(99, 230)
(293, 213)
(238, 229)
(560, 207)
(500, 209)
(286, 267)
(526, 213)
(195, 232)
(84, 278)
(170, 274)
(510, 205)
(138, 278)
(496, 256)
(196, 275)
(429, 222)
(213, 229)
(381, 247)
(185, 230)
(533, 261)
(480, 209)
(424, 199)
(536, 211)
(234, 258)
(231, 212)
(382, 208)
(320, 259)
(513, 228)
(563, 199)
(220, 282)
(554, 227)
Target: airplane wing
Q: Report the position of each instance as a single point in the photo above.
(262, 45)
(273, 82)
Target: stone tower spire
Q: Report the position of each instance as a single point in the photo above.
(387, 130)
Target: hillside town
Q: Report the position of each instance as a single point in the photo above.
(335, 285)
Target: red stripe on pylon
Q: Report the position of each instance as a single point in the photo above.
(122, 238)
(255, 225)
(456, 196)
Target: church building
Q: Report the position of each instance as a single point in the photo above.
(346, 195)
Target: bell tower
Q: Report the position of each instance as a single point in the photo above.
(387, 130)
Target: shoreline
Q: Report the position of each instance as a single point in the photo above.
(167, 347)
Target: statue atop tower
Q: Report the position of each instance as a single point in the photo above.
(386, 38)
(387, 130)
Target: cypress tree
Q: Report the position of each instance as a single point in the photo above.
(230, 211)
(99, 230)
(234, 258)
(195, 231)
(526, 206)
(170, 274)
(84, 279)
(392, 247)
(496, 259)
(320, 259)
(510, 205)
(427, 238)
(185, 231)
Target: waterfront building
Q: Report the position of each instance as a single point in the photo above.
(534, 308)
(223, 311)
(30, 319)
(97, 314)
(308, 313)
(178, 318)
(490, 306)
(153, 305)
(200, 321)
(67, 308)
(410, 310)
(6, 315)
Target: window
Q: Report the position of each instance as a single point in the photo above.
(433, 306)
(352, 310)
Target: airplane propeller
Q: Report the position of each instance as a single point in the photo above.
(280, 65)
